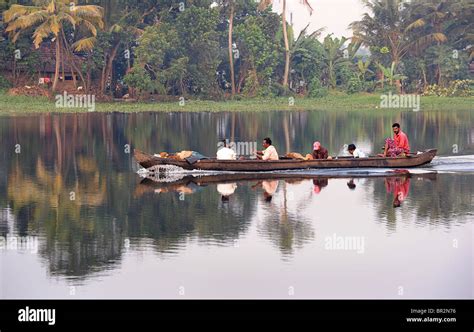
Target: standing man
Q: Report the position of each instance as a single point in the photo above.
(269, 152)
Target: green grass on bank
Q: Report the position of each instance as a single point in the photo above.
(10, 105)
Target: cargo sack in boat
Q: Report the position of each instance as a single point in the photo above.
(180, 155)
(161, 155)
(184, 154)
(295, 155)
(195, 156)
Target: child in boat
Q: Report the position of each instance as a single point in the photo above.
(355, 152)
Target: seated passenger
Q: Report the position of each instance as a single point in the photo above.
(269, 153)
(355, 152)
(319, 152)
(225, 153)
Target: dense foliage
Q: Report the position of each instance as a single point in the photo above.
(214, 49)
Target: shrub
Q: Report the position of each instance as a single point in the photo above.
(4, 83)
(457, 88)
(316, 90)
(139, 79)
(354, 85)
(461, 88)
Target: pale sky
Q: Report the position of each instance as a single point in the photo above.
(335, 15)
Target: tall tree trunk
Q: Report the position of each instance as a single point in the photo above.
(287, 47)
(102, 76)
(109, 67)
(108, 13)
(58, 60)
(438, 73)
(70, 55)
(14, 72)
(425, 81)
(62, 64)
(382, 78)
(398, 83)
(332, 76)
(231, 56)
(242, 76)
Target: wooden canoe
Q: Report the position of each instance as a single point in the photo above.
(146, 160)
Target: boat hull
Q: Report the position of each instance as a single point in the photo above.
(147, 161)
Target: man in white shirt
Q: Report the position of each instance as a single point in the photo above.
(355, 152)
(226, 153)
(270, 153)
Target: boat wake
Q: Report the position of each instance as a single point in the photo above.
(453, 164)
(172, 173)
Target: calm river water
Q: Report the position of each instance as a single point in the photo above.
(77, 221)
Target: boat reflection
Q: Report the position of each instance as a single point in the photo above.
(397, 182)
(286, 206)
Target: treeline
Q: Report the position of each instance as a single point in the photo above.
(215, 49)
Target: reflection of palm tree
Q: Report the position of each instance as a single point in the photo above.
(52, 208)
(288, 229)
(286, 130)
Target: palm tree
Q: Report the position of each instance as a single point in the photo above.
(121, 32)
(231, 55)
(460, 27)
(334, 56)
(51, 19)
(389, 24)
(299, 48)
(433, 13)
(383, 26)
(262, 6)
(230, 5)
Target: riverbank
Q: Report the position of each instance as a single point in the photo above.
(10, 105)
